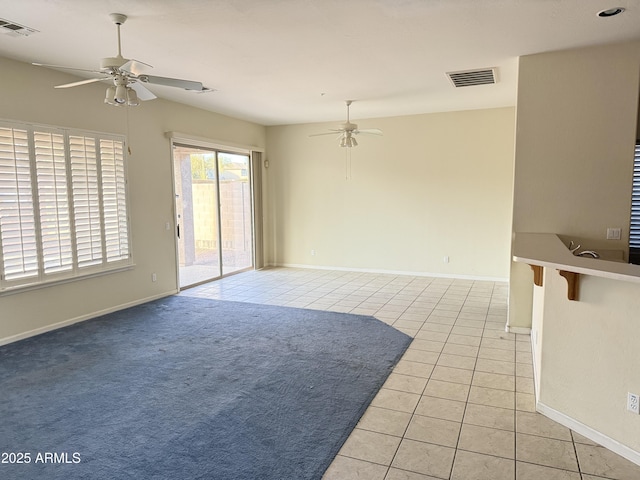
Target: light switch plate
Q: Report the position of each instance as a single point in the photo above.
(613, 233)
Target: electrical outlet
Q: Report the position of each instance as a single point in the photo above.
(313, 253)
(153, 277)
(446, 259)
(633, 403)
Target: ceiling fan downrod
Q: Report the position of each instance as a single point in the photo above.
(118, 19)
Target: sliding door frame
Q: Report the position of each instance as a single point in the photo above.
(253, 153)
(255, 163)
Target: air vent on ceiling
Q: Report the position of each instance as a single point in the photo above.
(15, 29)
(467, 78)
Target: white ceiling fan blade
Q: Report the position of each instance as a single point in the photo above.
(143, 92)
(332, 132)
(171, 82)
(81, 82)
(66, 68)
(136, 67)
(368, 131)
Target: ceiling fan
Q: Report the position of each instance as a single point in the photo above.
(348, 131)
(127, 76)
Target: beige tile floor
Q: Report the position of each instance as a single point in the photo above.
(459, 405)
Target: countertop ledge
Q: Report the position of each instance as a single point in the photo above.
(548, 250)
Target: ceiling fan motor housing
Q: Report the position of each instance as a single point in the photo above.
(349, 127)
(112, 63)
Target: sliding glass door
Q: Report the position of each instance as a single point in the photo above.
(214, 213)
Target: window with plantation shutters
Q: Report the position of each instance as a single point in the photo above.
(634, 229)
(63, 205)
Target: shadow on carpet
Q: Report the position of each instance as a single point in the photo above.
(187, 388)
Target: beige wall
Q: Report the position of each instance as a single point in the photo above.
(638, 123)
(575, 130)
(434, 185)
(28, 95)
(588, 358)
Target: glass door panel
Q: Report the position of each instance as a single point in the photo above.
(235, 212)
(197, 211)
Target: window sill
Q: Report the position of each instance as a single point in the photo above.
(60, 281)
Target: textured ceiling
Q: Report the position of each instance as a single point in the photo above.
(280, 62)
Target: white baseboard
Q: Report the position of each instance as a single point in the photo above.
(589, 433)
(535, 370)
(392, 272)
(81, 318)
(519, 330)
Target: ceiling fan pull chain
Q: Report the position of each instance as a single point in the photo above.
(128, 134)
(348, 164)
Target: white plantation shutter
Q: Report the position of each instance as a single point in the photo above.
(634, 235)
(63, 204)
(116, 234)
(17, 218)
(86, 200)
(53, 200)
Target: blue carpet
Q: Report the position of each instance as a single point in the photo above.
(187, 388)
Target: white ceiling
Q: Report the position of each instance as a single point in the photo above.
(279, 62)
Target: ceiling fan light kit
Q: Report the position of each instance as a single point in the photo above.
(121, 96)
(348, 142)
(132, 97)
(127, 77)
(110, 97)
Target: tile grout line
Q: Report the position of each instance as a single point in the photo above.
(466, 403)
(414, 408)
(515, 404)
(575, 450)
